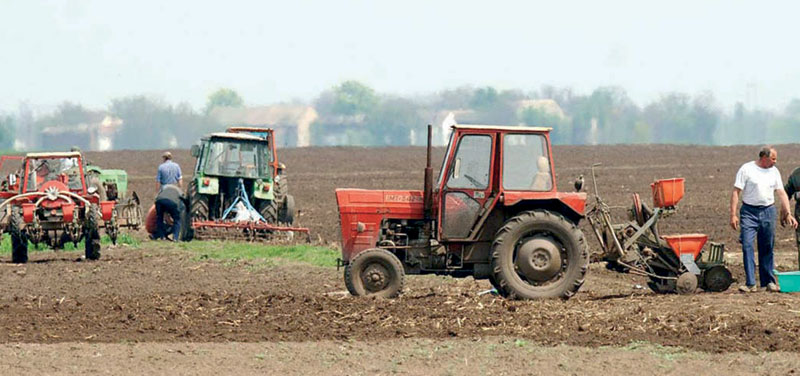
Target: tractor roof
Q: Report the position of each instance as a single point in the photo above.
(237, 136)
(58, 154)
(509, 128)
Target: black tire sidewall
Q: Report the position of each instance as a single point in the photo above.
(353, 273)
(526, 224)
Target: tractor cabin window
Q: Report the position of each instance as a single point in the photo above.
(243, 159)
(470, 167)
(526, 163)
(64, 170)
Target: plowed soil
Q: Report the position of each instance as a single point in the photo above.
(157, 293)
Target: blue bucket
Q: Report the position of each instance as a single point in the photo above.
(789, 281)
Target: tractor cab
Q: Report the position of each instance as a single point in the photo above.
(62, 170)
(493, 213)
(489, 165)
(235, 155)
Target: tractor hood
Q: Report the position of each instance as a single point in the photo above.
(401, 204)
(361, 212)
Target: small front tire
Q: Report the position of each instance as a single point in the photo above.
(374, 272)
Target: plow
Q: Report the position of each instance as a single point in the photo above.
(672, 263)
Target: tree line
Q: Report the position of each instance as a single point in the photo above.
(352, 113)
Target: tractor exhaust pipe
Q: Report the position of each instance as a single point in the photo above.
(428, 189)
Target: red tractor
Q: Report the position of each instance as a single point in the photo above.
(49, 201)
(494, 213)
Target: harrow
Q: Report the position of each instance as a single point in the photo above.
(241, 221)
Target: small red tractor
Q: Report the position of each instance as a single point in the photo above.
(48, 200)
(494, 213)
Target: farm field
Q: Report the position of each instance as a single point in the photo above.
(170, 309)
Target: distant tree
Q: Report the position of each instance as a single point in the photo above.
(484, 98)
(7, 131)
(541, 118)
(66, 114)
(352, 98)
(677, 118)
(391, 122)
(453, 99)
(223, 98)
(146, 123)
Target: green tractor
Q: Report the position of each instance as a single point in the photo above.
(238, 185)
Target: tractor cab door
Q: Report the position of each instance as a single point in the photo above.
(467, 185)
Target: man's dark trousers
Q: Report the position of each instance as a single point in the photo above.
(173, 209)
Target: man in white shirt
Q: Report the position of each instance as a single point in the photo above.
(758, 183)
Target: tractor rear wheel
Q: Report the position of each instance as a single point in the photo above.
(269, 210)
(19, 242)
(198, 210)
(91, 237)
(281, 188)
(287, 211)
(374, 272)
(539, 254)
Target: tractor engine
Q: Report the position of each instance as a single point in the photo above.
(409, 241)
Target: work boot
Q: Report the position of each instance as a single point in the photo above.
(745, 288)
(772, 287)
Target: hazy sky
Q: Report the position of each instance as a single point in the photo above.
(92, 51)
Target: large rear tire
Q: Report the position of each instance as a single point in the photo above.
(92, 233)
(374, 272)
(19, 242)
(281, 188)
(539, 254)
(269, 210)
(198, 210)
(288, 210)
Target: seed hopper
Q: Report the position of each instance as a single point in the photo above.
(673, 263)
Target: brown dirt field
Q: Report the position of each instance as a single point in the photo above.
(158, 294)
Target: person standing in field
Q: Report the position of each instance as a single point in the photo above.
(758, 183)
(169, 172)
(792, 189)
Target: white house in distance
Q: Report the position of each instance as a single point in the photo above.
(96, 134)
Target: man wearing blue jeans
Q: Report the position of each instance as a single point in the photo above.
(758, 183)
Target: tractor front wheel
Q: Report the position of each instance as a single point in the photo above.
(374, 272)
(91, 237)
(19, 242)
(539, 254)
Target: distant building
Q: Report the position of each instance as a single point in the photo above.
(292, 123)
(97, 134)
(548, 106)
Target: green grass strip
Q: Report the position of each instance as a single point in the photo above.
(233, 251)
(5, 244)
